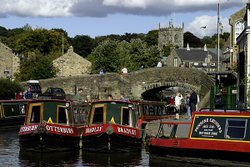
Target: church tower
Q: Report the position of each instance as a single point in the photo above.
(170, 35)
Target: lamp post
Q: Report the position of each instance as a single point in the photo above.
(218, 33)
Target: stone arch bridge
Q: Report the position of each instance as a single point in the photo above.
(136, 85)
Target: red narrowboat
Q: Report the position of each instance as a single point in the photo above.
(217, 134)
(113, 126)
(52, 125)
(153, 110)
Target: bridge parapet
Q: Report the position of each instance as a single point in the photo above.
(132, 84)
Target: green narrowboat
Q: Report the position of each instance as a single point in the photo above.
(52, 125)
(12, 112)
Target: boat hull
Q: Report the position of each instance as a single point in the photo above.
(111, 138)
(111, 143)
(12, 121)
(48, 142)
(48, 138)
(199, 153)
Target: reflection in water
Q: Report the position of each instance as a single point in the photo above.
(9, 146)
(111, 159)
(173, 161)
(48, 159)
(10, 155)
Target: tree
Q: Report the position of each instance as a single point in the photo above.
(37, 67)
(8, 89)
(112, 55)
(83, 45)
(41, 41)
(152, 37)
(192, 40)
(208, 41)
(104, 57)
(140, 53)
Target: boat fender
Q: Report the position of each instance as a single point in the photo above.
(109, 130)
(80, 142)
(40, 129)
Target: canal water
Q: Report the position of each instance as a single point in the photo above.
(10, 155)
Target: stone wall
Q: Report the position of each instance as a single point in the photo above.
(9, 63)
(132, 85)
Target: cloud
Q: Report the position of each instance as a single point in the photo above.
(36, 8)
(211, 25)
(102, 8)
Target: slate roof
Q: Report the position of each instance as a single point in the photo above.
(195, 54)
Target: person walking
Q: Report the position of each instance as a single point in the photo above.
(193, 101)
(177, 101)
(188, 106)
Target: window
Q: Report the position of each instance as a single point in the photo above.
(35, 114)
(239, 27)
(125, 116)
(98, 115)
(187, 64)
(196, 63)
(212, 64)
(175, 62)
(236, 128)
(62, 115)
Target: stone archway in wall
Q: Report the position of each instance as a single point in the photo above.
(156, 91)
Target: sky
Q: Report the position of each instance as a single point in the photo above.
(104, 17)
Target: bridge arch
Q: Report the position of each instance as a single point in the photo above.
(134, 84)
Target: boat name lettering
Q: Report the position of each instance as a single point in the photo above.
(209, 134)
(28, 128)
(59, 129)
(204, 124)
(94, 129)
(126, 130)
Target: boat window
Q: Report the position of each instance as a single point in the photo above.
(145, 110)
(166, 131)
(98, 115)
(125, 116)
(62, 115)
(79, 115)
(1, 111)
(151, 110)
(35, 115)
(236, 128)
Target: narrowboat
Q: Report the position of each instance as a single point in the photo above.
(153, 110)
(113, 126)
(52, 125)
(217, 134)
(12, 112)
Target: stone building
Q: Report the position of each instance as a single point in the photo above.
(170, 36)
(201, 58)
(9, 62)
(72, 64)
(243, 59)
(237, 25)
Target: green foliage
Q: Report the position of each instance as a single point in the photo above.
(104, 57)
(46, 42)
(112, 55)
(8, 89)
(212, 41)
(208, 41)
(192, 40)
(152, 37)
(83, 45)
(166, 50)
(37, 67)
